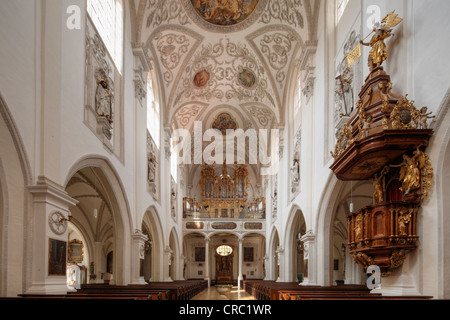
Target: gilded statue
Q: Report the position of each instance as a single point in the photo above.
(358, 228)
(378, 183)
(410, 170)
(383, 30)
(403, 220)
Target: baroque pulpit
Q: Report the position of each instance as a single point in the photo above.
(384, 142)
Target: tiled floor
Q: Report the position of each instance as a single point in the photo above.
(212, 294)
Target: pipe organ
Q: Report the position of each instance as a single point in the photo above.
(224, 195)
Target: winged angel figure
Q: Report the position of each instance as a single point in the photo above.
(382, 31)
(410, 170)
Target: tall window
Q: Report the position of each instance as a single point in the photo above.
(153, 112)
(107, 17)
(341, 4)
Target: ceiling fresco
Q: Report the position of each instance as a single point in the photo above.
(239, 53)
(224, 12)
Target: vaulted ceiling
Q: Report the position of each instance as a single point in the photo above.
(232, 55)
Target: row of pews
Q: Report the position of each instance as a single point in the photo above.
(271, 290)
(176, 290)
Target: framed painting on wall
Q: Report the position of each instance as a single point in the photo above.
(57, 253)
(200, 254)
(76, 251)
(248, 254)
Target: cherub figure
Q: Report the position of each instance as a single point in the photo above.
(424, 116)
(364, 126)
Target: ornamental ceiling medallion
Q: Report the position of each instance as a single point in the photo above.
(201, 78)
(223, 122)
(247, 78)
(224, 15)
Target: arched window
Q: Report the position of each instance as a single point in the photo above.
(107, 16)
(153, 110)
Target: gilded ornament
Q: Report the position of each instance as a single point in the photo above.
(405, 115)
(403, 220)
(383, 31)
(363, 260)
(397, 258)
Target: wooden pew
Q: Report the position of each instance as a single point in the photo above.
(176, 290)
(270, 290)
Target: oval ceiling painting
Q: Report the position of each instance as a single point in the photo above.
(247, 78)
(201, 78)
(224, 12)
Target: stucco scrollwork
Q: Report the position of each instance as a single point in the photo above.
(227, 63)
(288, 11)
(165, 11)
(171, 47)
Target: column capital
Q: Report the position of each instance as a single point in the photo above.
(46, 190)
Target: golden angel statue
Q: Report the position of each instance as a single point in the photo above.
(410, 170)
(382, 31)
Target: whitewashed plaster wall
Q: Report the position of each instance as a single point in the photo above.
(42, 63)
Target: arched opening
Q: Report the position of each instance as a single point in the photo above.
(194, 251)
(274, 258)
(101, 215)
(153, 262)
(296, 229)
(254, 250)
(173, 256)
(78, 257)
(352, 196)
(15, 176)
(223, 268)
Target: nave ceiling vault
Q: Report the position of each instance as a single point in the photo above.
(246, 63)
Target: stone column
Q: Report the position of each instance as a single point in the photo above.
(168, 255)
(137, 254)
(207, 278)
(309, 254)
(50, 216)
(99, 261)
(241, 255)
(280, 261)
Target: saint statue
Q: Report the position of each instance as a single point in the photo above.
(103, 97)
(151, 168)
(295, 169)
(382, 31)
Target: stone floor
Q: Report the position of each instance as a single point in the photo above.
(212, 294)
